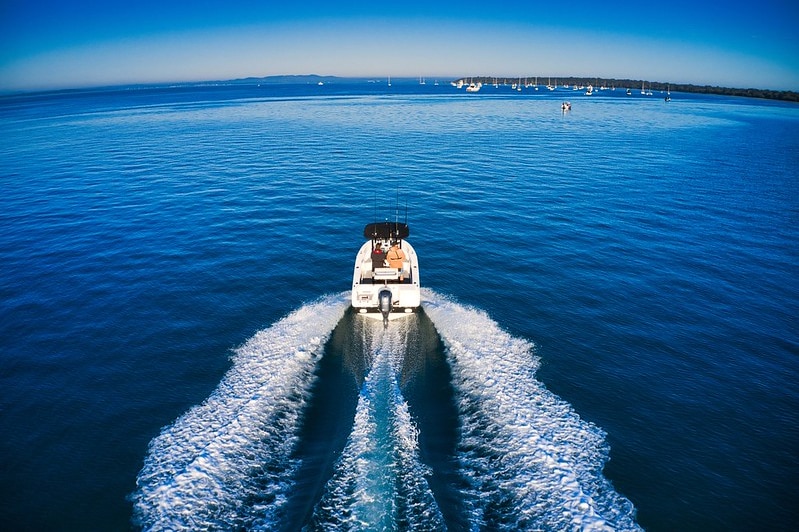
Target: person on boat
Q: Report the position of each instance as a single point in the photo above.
(395, 257)
(378, 257)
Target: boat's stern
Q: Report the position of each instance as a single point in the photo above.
(385, 292)
(403, 299)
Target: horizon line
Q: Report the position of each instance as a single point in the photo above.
(400, 79)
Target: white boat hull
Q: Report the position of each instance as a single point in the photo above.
(367, 283)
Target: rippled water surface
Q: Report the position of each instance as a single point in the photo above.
(607, 340)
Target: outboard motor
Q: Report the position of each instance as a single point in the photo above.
(384, 304)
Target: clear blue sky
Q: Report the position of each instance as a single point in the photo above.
(77, 43)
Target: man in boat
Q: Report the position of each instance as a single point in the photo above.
(395, 257)
(378, 257)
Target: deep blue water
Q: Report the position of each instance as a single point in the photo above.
(608, 337)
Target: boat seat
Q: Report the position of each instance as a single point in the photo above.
(386, 274)
(366, 269)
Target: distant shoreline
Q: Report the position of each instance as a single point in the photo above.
(634, 84)
(768, 94)
(789, 96)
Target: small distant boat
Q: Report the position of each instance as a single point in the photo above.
(668, 93)
(589, 91)
(474, 87)
(629, 92)
(378, 289)
(566, 106)
(320, 83)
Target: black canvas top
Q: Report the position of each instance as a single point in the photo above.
(386, 230)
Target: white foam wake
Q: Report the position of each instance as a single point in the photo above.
(223, 465)
(531, 461)
(379, 482)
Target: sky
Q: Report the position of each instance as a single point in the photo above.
(54, 44)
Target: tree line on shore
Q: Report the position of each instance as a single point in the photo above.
(790, 96)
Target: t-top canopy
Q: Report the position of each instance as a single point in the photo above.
(386, 230)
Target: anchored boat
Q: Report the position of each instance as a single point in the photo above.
(385, 281)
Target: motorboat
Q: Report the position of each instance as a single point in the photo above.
(378, 290)
(474, 87)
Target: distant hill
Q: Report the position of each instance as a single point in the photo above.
(276, 80)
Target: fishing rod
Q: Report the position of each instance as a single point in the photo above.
(374, 226)
(396, 217)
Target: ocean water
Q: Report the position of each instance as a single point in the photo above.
(608, 337)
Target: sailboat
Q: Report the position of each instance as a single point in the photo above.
(389, 81)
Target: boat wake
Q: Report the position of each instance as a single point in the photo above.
(506, 454)
(224, 464)
(532, 463)
(380, 483)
